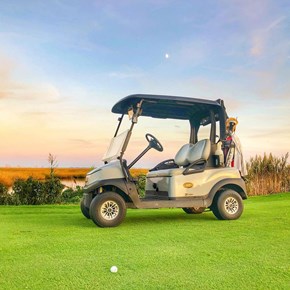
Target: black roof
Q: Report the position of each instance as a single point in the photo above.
(173, 107)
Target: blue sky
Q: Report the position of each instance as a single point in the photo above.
(63, 64)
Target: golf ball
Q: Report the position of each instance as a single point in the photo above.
(114, 269)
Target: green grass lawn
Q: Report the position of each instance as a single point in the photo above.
(55, 247)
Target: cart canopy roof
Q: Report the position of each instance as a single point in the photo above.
(172, 107)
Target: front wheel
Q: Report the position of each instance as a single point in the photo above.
(85, 210)
(228, 205)
(108, 209)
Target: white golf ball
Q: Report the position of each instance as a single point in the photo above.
(114, 269)
(166, 55)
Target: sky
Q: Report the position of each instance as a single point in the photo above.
(65, 63)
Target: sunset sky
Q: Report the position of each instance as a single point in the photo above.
(64, 64)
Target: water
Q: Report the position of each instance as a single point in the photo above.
(73, 183)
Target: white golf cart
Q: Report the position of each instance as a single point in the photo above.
(195, 180)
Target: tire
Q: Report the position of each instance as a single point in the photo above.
(193, 210)
(108, 209)
(227, 205)
(85, 210)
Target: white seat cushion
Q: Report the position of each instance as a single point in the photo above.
(165, 172)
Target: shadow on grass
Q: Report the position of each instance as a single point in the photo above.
(58, 217)
(160, 216)
(144, 218)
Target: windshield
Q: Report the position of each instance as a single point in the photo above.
(172, 134)
(114, 150)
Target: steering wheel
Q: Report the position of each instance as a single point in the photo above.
(153, 142)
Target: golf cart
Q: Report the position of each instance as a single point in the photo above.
(195, 180)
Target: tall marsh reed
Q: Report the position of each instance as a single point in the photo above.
(9, 175)
(268, 174)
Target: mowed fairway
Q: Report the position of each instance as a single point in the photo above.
(55, 247)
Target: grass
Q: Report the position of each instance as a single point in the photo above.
(55, 247)
(9, 174)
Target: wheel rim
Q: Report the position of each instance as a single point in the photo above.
(109, 210)
(231, 205)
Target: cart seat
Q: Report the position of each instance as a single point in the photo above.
(187, 155)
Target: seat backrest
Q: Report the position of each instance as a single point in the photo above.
(181, 157)
(200, 151)
(190, 153)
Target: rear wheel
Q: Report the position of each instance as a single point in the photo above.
(85, 210)
(108, 209)
(194, 210)
(228, 205)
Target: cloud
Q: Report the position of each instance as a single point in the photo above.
(82, 143)
(266, 140)
(276, 23)
(127, 73)
(259, 25)
(258, 43)
(24, 91)
(262, 38)
(14, 89)
(189, 52)
(6, 67)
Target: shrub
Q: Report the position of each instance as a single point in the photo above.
(29, 191)
(7, 198)
(4, 195)
(141, 183)
(52, 187)
(3, 189)
(33, 191)
(71, 195)
(268, 174)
